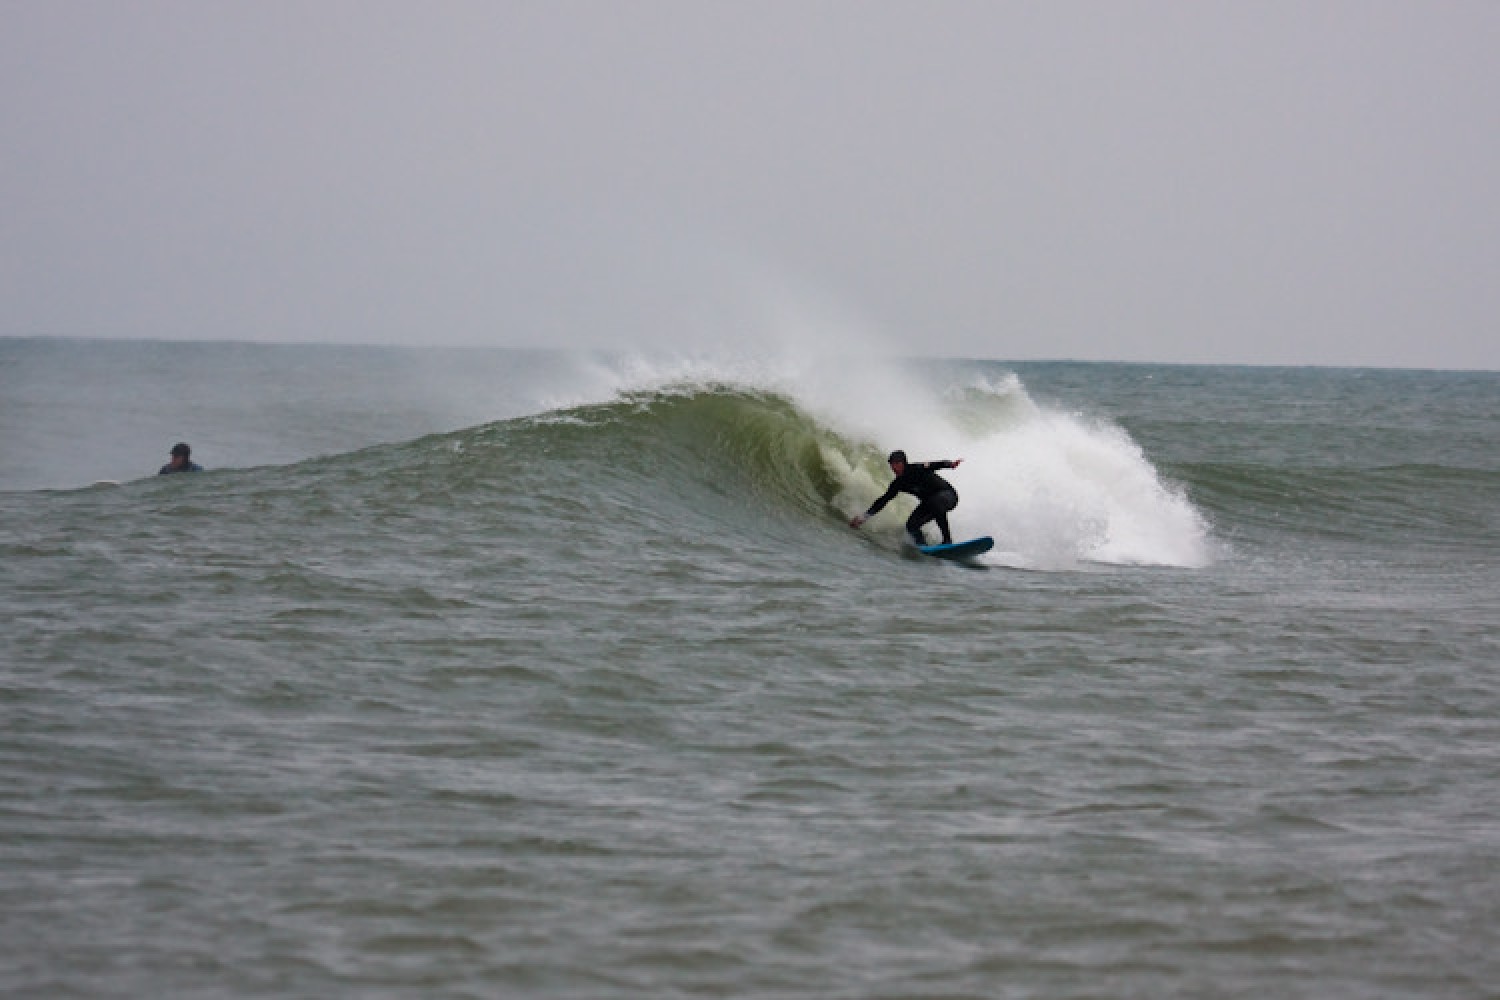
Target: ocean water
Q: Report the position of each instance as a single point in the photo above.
(530, 674)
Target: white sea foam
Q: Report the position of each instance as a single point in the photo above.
(1058, 489)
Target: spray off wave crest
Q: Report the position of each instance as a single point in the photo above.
(759, 447)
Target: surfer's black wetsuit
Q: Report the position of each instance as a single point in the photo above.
(935, 498)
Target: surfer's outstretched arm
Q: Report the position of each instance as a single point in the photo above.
(858, 519)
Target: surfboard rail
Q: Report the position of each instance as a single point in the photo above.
(959, 550)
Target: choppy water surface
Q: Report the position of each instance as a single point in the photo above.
(597, 695)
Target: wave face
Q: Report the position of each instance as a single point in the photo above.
(687, 457)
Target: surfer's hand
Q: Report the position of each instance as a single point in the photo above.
(856, 520)
(957, 462)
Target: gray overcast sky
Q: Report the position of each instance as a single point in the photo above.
(1262, 182)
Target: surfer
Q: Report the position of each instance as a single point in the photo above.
(182, 461)
(935, 495)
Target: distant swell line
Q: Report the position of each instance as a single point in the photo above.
(1411, 498)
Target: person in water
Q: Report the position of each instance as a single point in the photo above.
(182, 461)
(935, 495)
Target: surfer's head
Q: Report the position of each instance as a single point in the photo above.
(897, 457)
(180, 449)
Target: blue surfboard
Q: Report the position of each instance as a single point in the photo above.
(959, 550)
